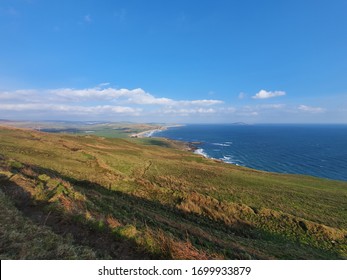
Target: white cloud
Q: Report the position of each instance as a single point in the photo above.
(309, 109)
(247, 111)
(203, 102)
(101, 100)
(104, 102)
(20, 107)
(271, 106)
(263, 94)
(101, 109)
(17, 94)
(133, 96)
(228, 110)
(103, 85)
(189, 111)
(97, 93)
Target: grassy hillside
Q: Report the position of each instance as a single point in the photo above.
(103, 129)
(145, 199)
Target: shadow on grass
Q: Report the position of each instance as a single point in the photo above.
(105, 244)
(203, 232)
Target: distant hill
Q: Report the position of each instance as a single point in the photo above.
(88, 197)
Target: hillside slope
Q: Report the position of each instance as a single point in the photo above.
(143, 199)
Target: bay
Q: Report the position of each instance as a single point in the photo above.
(316, 150)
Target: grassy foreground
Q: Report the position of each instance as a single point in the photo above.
(89, 197)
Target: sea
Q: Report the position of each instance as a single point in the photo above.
(316, 150)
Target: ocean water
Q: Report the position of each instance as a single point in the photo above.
(316, 150)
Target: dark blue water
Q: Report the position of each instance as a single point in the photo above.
(317, 150)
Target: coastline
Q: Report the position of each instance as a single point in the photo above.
(311, 157)
(182, 145)
(192, 147)
(149, 133)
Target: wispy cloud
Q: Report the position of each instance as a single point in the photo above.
(271, 106)
(73, 110)
(242, 95)
(104, 102)
(130, 96)
(310, 109)
(263, 94)
(17, 95)
(100, 101)
(87, 18)
(187, 112)
(247, 111)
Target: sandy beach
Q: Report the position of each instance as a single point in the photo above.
(149, 133)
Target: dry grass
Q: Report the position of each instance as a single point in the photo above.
(165, 203)
(20, 238)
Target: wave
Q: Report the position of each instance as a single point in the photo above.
(227, 159)
(295, 148)
(201, 152)
(231, 160)
(221, 144)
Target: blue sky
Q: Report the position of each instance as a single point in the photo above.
(174, 61)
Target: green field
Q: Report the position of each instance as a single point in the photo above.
(88, 197)
(102, 129)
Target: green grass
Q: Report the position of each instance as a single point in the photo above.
(169, 203)
(107, 129)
